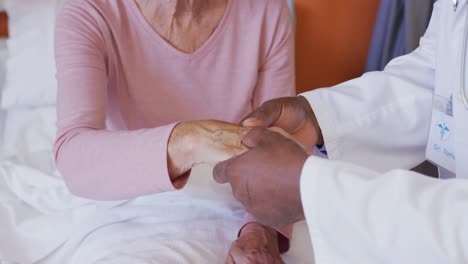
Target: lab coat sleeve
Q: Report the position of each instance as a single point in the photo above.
(356, 215)
(381, 120)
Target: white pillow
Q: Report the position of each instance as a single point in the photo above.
(3, 56)
(30, 78)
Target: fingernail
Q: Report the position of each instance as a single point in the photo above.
(249, 122)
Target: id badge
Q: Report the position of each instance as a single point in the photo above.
(441, 148)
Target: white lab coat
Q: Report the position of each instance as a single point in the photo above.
(363, 205)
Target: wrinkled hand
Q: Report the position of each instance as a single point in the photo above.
(266, 179)
(294, 115)
(257, 244)
(205, 142)
(197, 142)
(216, 141)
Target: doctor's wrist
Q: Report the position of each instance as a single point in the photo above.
(320, 140)
(306, 105)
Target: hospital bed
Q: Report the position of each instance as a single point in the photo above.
(41, 222)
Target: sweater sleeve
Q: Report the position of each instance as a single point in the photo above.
(95, 162)
(276, 76)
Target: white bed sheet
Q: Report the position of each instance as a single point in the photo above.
(41, 222)
(3, 57)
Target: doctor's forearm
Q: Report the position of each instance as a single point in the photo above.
(398, 212)
(382, 129)
(380, 120)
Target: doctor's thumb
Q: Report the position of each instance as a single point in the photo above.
(259, 136)
(264, 116)
(220, 173)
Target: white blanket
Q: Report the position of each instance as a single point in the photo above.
(38, 216)
(41, 222)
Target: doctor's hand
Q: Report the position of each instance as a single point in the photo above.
(294, 115)
(256, 244)
(266, 179)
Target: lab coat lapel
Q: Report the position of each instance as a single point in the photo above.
(461, 111)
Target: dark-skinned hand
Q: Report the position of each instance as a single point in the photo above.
(292, 114)
(266, 179)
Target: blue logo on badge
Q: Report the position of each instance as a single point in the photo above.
(444, 131)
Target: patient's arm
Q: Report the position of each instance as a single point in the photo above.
(202, 142)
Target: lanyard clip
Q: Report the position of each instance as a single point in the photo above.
(455, 5)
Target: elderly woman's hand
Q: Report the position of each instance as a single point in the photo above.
(198, 142)
(256, 244)
(206, 142)
(217, 141)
